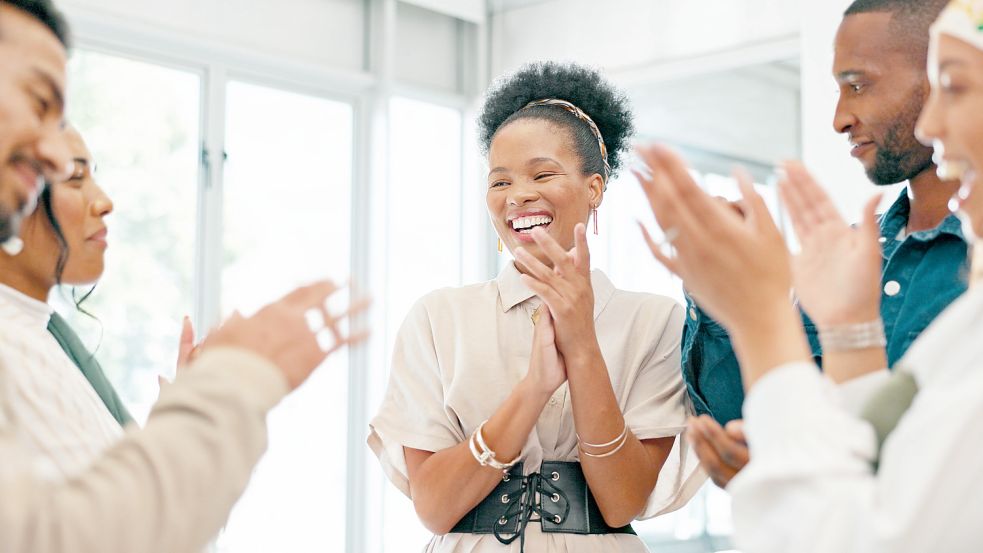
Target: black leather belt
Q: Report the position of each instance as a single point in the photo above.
(557, 496)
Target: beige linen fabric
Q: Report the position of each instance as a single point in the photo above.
(460, 353)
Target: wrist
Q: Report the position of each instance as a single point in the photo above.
(531, 390)
(775, 338)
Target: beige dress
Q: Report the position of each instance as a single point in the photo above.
(460, 353)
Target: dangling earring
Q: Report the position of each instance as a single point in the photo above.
(499, 245)
(595, 221)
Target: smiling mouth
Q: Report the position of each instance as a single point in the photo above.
(860, 147)
(524, 225)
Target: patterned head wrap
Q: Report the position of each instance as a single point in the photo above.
(962, 19)
(579, 114)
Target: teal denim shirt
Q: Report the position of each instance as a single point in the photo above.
(922, 275)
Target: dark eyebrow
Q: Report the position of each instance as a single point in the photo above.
(536, 160)
(849, 75)
(53, 87)
(945, 64)
(532, 161)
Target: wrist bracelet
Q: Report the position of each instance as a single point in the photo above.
(850, 337)
(624, 440)
(609, 444)
(486, 457)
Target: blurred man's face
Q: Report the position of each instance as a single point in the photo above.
(32, 91)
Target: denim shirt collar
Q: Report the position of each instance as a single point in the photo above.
(895, 219)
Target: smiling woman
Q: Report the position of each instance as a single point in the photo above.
(528, 399)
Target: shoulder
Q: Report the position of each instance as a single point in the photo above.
(646, 306)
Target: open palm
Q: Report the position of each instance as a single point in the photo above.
(836, 275)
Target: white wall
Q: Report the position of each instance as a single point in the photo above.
(322, 32)
(621, 35)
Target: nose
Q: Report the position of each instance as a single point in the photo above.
(930, 125)
(54, 155)
(101, 205)
(520, 194)
(843, 118)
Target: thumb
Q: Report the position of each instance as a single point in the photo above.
(869, 225)
(186, 344)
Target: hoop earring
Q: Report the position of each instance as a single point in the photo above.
(595, 221)
(499, 245)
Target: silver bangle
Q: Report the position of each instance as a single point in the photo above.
(486, 457)
(624, 440)
(609, 444)
(850, 337)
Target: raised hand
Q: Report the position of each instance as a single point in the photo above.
(736, 264)
(547, 371)
(280, 332)
(837, 274)
(565, 288)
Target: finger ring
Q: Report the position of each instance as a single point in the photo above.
(315, 320)
(326, 339)
(671, 234)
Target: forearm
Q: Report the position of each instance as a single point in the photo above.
(449, 483)
(167, 488)
(771, 338)
(621, 483)
(842, 366)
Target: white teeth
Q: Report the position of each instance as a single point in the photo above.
(529, 222)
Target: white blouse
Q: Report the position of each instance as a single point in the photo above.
(810, 486)
(460, 353)
(61, 416)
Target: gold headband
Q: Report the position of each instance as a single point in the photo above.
(579, 114)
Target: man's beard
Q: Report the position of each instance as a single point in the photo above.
(900, 156)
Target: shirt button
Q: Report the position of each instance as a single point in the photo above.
(692, 313)
(892, 288)
(553, 401)
(882, 239)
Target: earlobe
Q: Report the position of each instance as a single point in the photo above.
(597, 186)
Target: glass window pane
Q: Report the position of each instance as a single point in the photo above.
(287, 221)
(141, 122)
(423, 245)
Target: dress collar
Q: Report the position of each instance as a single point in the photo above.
(512, 292)
(22, 310)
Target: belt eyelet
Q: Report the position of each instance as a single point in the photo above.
(506, 477)
(505, 498)
(555, 498)
(557, 519)
(503, 521)
(555, 476)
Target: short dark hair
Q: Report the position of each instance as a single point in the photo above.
(45, 12)
(911, 18)
(581, 86)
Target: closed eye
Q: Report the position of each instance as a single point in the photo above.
(542, 176)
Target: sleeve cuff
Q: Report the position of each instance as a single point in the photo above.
(855, 393)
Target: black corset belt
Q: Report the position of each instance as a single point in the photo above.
(557, 496)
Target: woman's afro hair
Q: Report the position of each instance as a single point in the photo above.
(582, 87)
